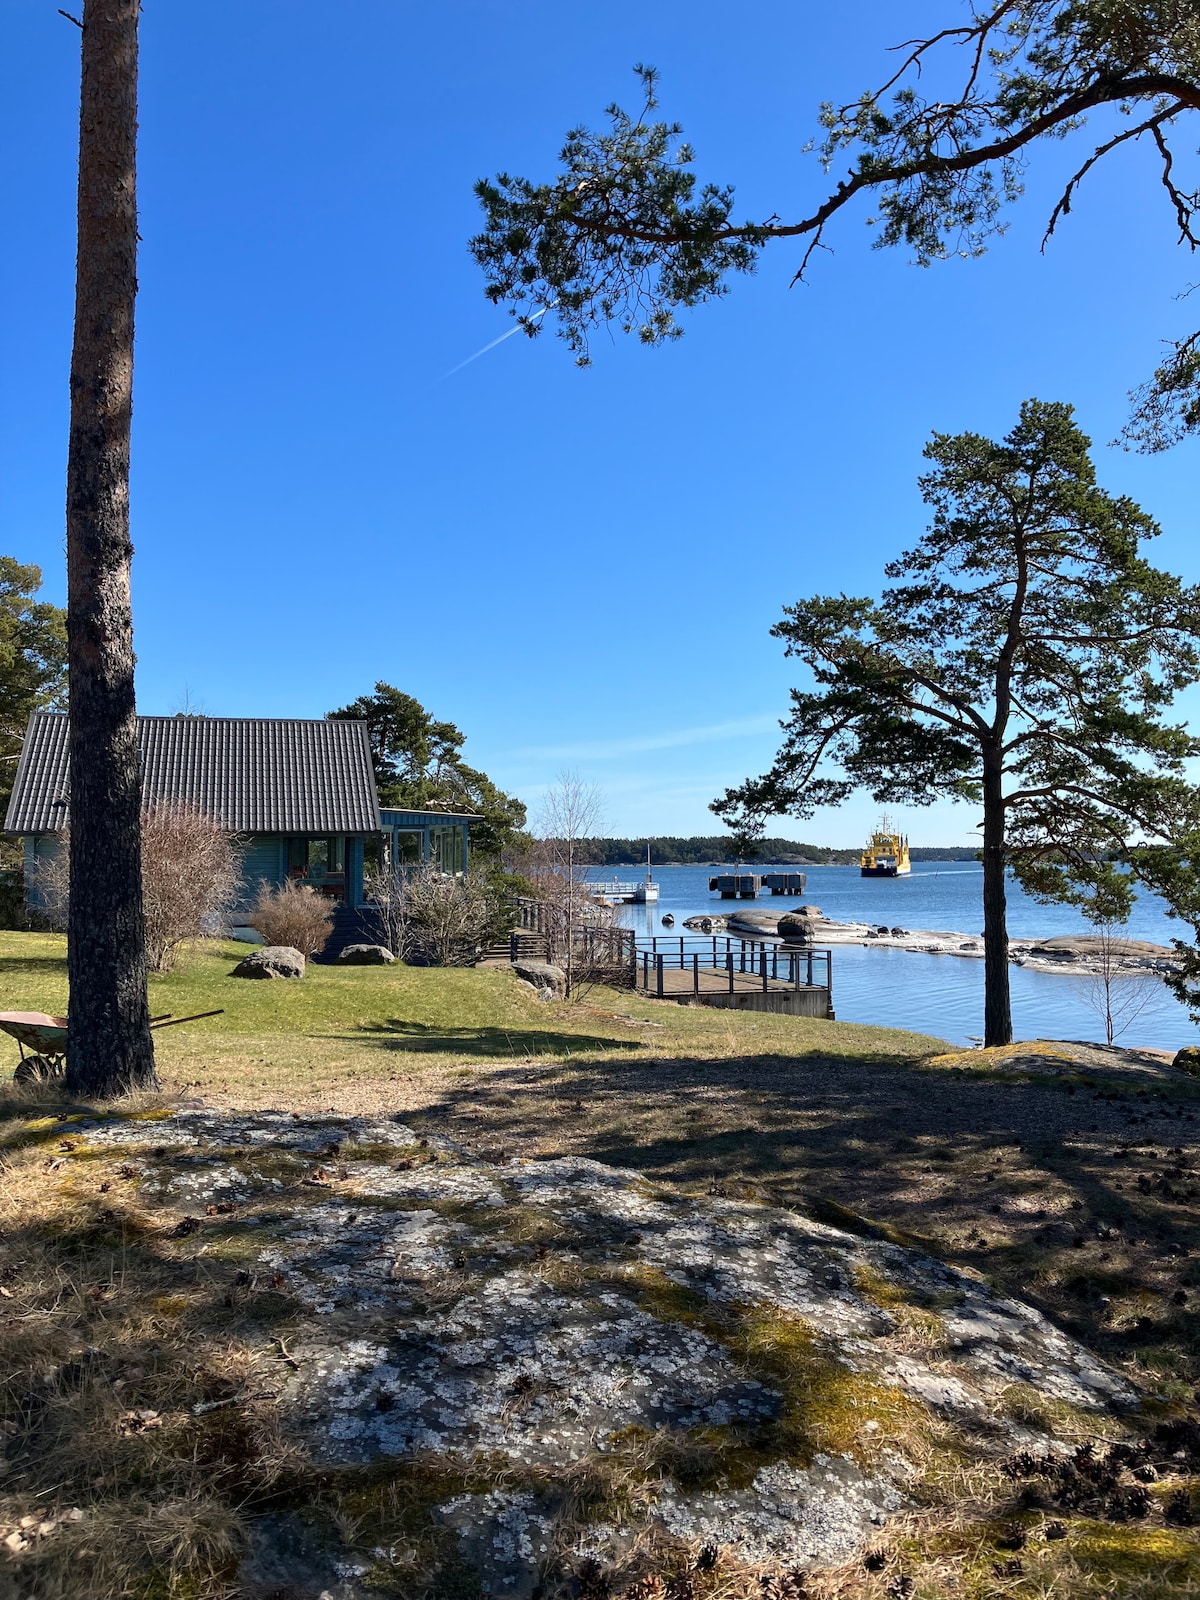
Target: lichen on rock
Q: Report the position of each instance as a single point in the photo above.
(595, 1362)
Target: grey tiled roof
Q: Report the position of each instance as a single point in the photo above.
(253, 774)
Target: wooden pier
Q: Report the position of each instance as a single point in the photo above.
(642, 892)
(742, 974)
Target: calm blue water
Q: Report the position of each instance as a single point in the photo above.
(942, 995)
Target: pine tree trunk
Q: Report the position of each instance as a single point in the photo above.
(109, 1048)
(997, 1006)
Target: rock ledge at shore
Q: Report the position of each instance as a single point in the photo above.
(1071, 953)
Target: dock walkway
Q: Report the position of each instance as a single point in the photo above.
(746, 974)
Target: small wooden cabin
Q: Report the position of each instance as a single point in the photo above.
(299, 793)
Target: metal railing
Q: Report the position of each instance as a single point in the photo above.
(730, 964)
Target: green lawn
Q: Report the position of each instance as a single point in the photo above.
(372, 1022)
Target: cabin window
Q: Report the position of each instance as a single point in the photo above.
(446, 849)
(408, 847)
(317, 858)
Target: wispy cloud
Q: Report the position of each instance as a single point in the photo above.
(672, 739)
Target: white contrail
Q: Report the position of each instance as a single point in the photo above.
(516, 329)
(672, 739)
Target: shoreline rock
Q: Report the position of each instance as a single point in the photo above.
(1074, 954)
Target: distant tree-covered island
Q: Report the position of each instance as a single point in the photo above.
(669, 851)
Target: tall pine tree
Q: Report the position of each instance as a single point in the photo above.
(109, 1047)
(1022, 660)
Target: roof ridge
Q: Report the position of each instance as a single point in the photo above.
(276, 775)
(188, 716)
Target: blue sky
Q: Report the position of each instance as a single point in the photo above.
(579, 568)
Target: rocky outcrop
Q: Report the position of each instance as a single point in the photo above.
(758, 924)
(270, 961)
(1077, 953)
(1087, 953)
(513, 1335)
(365, 955)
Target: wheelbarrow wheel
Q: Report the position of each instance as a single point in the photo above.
(37, 1069)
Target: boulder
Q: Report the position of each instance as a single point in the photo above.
(270, 961)
(800, 925)
(365, 955)
(1188, 1060)
(542, 975)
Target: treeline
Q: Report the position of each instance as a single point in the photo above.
(958, 852)
(669, 851)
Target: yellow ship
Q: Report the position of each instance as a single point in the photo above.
(886, 856)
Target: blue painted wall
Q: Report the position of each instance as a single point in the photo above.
(264, 859)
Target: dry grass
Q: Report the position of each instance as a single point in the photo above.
(1071, 1185)
(112, 1336)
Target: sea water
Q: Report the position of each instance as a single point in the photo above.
(941, 995)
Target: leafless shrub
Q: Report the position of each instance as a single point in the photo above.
(383, 890)
(292, 914)
(1116, 991)
(50, 880)
(429, 918)
(570, 815)
(189, 879)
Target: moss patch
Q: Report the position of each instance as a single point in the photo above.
(826, 1407)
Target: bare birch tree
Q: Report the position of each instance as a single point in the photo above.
(1118, 992)
(571, 813)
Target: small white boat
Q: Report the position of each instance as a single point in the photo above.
(646, 894)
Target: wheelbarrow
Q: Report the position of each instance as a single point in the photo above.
(46, 1038)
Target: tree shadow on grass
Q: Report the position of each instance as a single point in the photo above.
(494, 1042)
(1084, 1203)
(128, 1357)
(36, 962)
